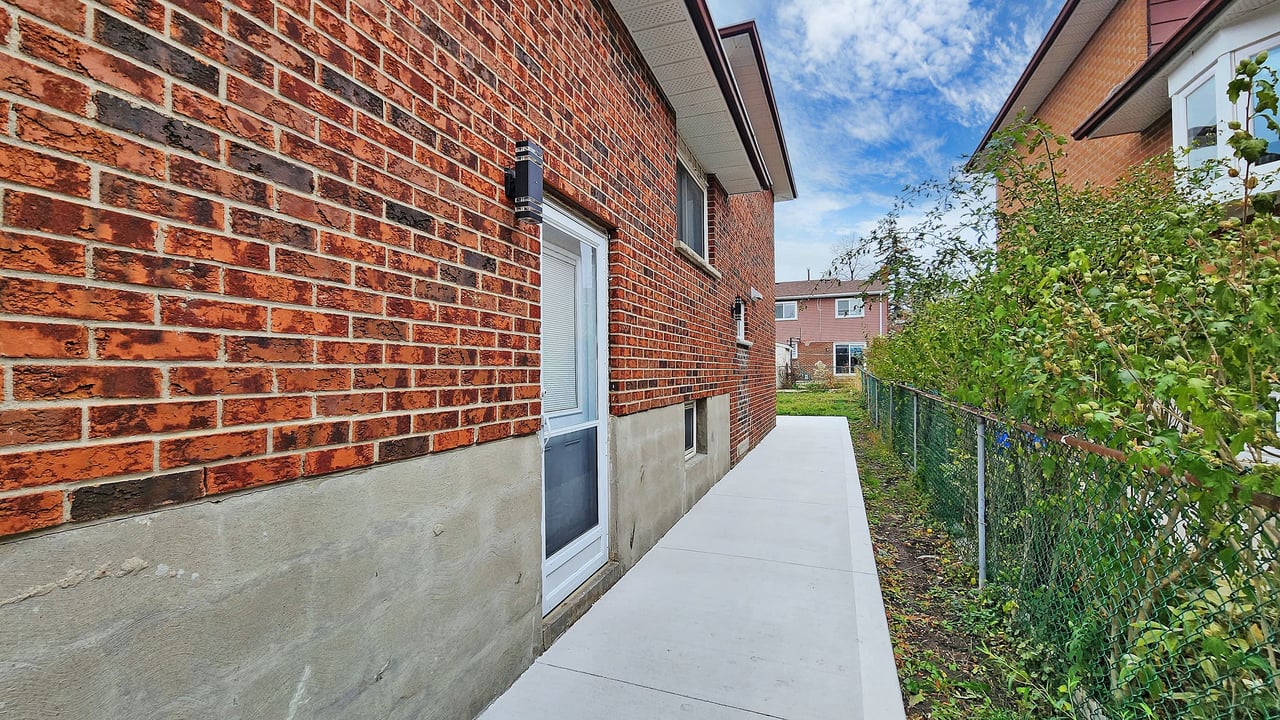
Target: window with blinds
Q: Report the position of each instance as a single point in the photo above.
(559, 333)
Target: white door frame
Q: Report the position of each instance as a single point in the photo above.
(572, 565)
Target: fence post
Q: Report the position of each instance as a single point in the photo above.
(893, 436)
(982, 502)
(915, 430)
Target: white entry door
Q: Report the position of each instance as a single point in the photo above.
(574, 405)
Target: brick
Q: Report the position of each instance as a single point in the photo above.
(436, 421)
(33, 511)
(71, 382)
(144, 122)
(349, 404)
(320, 462)
(53, 299)
(269, 349)
(213, 112)
(252, 411)
(351, 91)
(211, 448)
(381, 427)
(153, 51)
(67, 14)
(252, 473)
(42, 340)
(149, 418)
(265, 104)
(90, 143)
(28, 167)
(403, 448)
(312, 266)
(300, 437)
(155, 271)
(409, 217)
(81, 59)
(151, 199)
(36, 83)
(263, 286)
(131, 496)
(197, 312)
(217, 248)
(205, 381)
(150, 344)
(349, 300)
(349, 353)
(214, 180)
(47, 467)
(62, 217)
(449, 440)
(368, 378)
(41, 425)
(269, 44)
(312, 380)
(496, 431)
(308, 322)
(275, 230)
(269, 167)
(41, 255)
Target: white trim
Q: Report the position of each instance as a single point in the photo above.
(795, 310)
(862, 309)
(689, 452)
(587, 560)
(1216, 57)
(830, 295)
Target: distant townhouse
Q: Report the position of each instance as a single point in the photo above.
(829, 322)
(1127, 80)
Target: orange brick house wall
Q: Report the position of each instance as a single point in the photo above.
(251, 241)
(1118, 47)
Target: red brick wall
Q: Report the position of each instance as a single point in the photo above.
(1115, 51)
(249, 241)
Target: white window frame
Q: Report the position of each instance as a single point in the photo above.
(862, 308)
(1216, 60)
(835, 368)
(740, 319)
(699, 179)
(689, 452)
(795, 310)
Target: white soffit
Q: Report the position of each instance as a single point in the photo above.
(1074, 35)
(668, 39)
(756, 96)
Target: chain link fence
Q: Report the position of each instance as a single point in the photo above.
(1149, 604)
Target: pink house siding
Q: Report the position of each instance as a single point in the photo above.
(1165, 17)
(816, 321)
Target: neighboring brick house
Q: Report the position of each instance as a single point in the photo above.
(1129, 79)
(829, 321)
(296, 418)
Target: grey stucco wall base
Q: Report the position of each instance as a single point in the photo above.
(409, 590)
(652, 484)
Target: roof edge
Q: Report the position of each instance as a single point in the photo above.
(1051, 37)
(709, 37)
(1150, 69)
(750, 29)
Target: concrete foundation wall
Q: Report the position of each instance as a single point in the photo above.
(652, 484)
(409, 590)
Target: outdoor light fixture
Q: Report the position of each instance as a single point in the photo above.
(756, 295)
(524, 182)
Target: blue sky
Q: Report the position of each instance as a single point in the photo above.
(878, 94)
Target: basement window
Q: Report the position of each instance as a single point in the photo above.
(690, 429)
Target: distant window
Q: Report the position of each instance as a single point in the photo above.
(849, 308)
(691, 213)
(1202, 123)
(784, 310)
(848, 357)
(740, 318)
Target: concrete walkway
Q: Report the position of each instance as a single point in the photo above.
(762, 602)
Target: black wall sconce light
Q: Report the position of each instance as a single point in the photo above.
(524, 182)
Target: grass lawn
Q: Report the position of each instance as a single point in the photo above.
(947, 639)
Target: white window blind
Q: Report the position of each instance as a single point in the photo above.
(559, 334)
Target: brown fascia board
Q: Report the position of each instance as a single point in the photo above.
(753, 33)
(1050, 38)
(710, 40)
(1148, 70)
